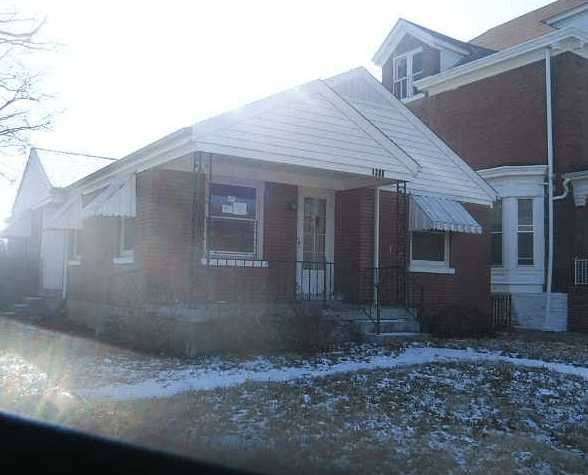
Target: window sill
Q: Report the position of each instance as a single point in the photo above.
(431, 269)
(233, 262)
(123, 260)
(74, 262)
(415, 97)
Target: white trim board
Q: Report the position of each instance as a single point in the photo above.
(568, 39)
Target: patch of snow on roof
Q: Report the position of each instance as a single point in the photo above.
(65, 168)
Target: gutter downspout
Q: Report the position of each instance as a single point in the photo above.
(376, 262)
(549, 111)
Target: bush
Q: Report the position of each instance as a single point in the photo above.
(460, 322)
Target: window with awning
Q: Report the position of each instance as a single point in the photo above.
(429, 213)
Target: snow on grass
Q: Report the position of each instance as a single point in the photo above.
(172, 382)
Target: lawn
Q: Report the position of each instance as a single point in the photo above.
(518, 403)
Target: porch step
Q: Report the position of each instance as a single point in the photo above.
(387, 338)
(396, 325)
(21, 308)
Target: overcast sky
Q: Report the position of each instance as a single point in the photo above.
(130, 71)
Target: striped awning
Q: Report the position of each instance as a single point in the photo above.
(69, 216)
(428, 213)
(118, 199)
(18, 228)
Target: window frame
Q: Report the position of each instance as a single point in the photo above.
(74, 241)
(409, 57)
(125, 256)
(257, 254)
(435, 267)
(530, 229)
(502, 234)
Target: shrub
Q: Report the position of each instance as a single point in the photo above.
(456, 321)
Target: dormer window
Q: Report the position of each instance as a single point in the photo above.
(408, 68)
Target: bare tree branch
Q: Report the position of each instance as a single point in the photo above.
(21, 103)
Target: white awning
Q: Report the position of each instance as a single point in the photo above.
(118, 199)
(18, 228)
(69, 216)
(440, 214)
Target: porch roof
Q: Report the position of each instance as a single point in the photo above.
(19, 228)
(437, 214)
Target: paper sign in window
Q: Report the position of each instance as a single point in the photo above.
(240, 208)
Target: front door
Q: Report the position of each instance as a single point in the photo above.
(315, 272)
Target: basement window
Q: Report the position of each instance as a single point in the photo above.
(233, 225)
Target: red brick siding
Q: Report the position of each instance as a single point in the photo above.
(494, 121)
(578, 310)
(571, 154)
(470, 257)
(354, 242)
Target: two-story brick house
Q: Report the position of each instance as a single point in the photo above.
(513, 102)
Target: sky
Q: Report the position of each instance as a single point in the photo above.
(128, 72)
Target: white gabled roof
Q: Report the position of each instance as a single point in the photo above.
(442, 173)
(309, 126)
(48, 170)
(64, 168)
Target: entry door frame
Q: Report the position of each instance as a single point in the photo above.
(317, 193)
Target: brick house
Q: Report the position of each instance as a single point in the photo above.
(332, 192)
(513, 103)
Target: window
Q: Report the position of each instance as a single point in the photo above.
(126, 240)
(408, 68)
(233, 220)
(525, 232)
(496, 233)
(428, 246)
(74, 250)
(429, 252)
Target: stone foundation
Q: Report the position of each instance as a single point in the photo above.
(185, 331)
(529, 311)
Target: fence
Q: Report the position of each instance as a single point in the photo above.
(501, 317)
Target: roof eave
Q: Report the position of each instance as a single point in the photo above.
(551, 39)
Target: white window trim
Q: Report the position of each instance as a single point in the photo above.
(432, 267)
(513, 183)
(125, 256)
(409, 74)
(216, 256)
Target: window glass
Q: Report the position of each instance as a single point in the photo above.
(128, 234)
(526, 230)
(496, 233)
(232, 201)
(232, 225)
(428, 246)
(74, 244)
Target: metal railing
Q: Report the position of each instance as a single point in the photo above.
(501, 317)
(580, 271)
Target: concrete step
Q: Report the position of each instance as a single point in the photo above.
(396, 325)
(21, 308)
(387, 338)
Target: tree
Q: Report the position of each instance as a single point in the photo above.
(21, 103)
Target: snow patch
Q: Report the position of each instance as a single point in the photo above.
(170, 383)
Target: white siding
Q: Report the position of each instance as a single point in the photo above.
(442, 173)
(304, 129)
(53, 249)
(579, 21)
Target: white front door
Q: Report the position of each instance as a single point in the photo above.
(315, 271)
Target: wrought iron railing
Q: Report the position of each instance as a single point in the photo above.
(580, 271)
(501, 317)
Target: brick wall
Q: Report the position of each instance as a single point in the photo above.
(492, 122)
(354, 242)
